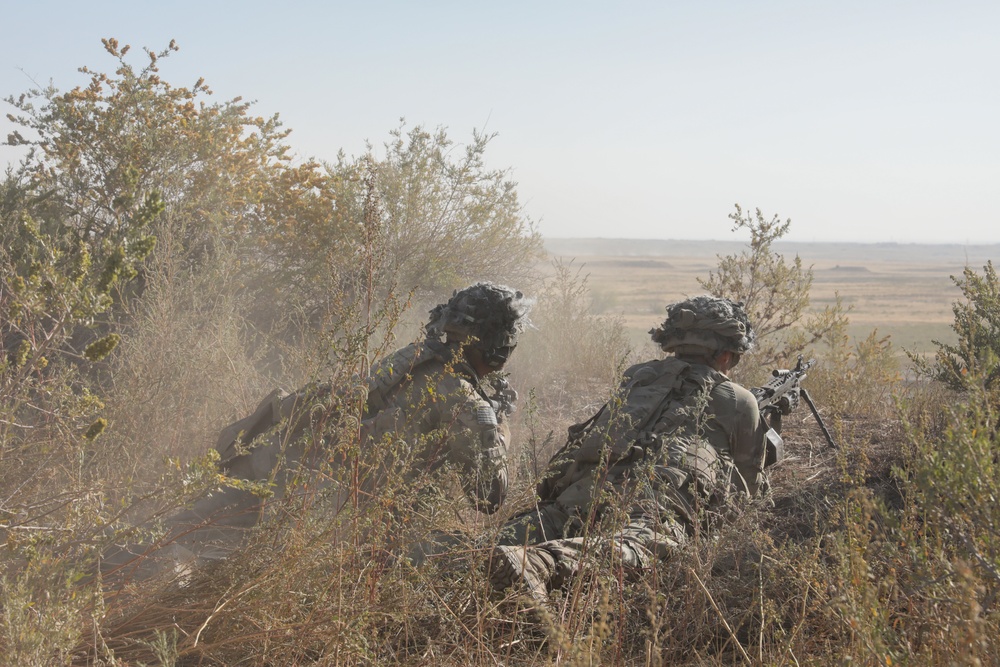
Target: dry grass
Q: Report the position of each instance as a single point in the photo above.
(835, 566)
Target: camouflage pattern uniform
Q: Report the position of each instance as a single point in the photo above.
(459, 419)
(675, 444)
(426, 395)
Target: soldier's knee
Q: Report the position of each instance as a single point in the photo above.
(634, 557)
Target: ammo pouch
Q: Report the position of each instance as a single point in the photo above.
(774, 447)
(693, 466)
(703, 464)
(697, 480)
(564, 461)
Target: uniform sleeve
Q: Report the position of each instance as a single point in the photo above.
(477, 446)
(740, 431)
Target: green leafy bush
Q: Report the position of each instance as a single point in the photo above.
(975, 359)
(57, 283)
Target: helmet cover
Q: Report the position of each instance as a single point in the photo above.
(701, 323)
(492, 314)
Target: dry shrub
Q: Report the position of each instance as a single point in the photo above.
(325, 578)
(45, 604)
(886, 551)
(949, 528)
(855, 378)
(191, 360)
(774, 291)
(186, 369)
(565, 365)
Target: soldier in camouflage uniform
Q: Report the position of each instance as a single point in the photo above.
(675, 444)
(433, 396)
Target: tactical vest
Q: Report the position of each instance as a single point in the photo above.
(656, 399)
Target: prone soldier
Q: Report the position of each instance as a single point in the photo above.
(442, 398)
(676, 444)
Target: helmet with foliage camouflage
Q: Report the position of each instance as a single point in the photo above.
(492, 314)
(705, 324)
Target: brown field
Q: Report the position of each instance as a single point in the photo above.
(903, 291)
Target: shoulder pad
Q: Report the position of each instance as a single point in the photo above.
(725, 388)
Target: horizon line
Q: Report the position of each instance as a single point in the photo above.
(638, 239)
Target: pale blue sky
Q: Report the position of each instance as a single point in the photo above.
(862, 121)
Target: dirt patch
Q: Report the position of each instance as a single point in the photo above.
(814, 476)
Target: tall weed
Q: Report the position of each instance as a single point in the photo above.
(567, 363)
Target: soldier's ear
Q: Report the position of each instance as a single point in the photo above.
(725, 360)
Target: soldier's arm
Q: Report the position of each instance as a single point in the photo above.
(749, 439)
(735, 413)
(478, 448)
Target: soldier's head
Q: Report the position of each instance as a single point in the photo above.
(706, 327)
(486, 318)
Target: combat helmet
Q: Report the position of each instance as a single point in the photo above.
(705, 325)
(491, 315)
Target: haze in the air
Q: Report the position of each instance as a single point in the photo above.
(861, 121)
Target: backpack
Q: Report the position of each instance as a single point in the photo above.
(653, 394)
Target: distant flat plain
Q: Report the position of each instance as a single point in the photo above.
(903, 290)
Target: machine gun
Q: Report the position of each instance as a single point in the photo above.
(781, 395)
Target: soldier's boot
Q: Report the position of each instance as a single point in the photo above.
(522, 567)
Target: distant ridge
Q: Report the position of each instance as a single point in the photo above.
(952, 253)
